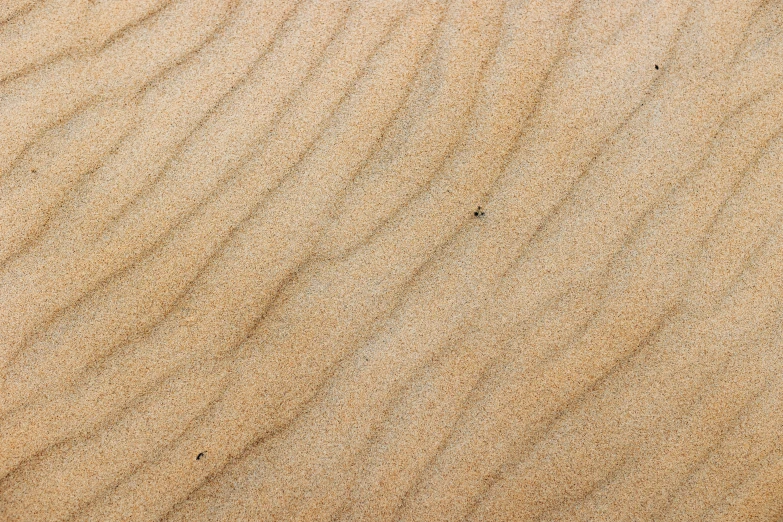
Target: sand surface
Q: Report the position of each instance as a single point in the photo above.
(326, 260)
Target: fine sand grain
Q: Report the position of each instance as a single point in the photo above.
(415, 260)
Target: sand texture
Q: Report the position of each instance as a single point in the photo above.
(391, 260)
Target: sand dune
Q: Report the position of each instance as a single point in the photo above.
(391, 260)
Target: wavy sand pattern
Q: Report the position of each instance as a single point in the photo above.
(375, 260)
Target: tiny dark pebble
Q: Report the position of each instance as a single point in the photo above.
(198, 457)
(656, 67)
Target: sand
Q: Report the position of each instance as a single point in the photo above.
(391, 260)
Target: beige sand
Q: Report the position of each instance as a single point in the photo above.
(391, 260)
